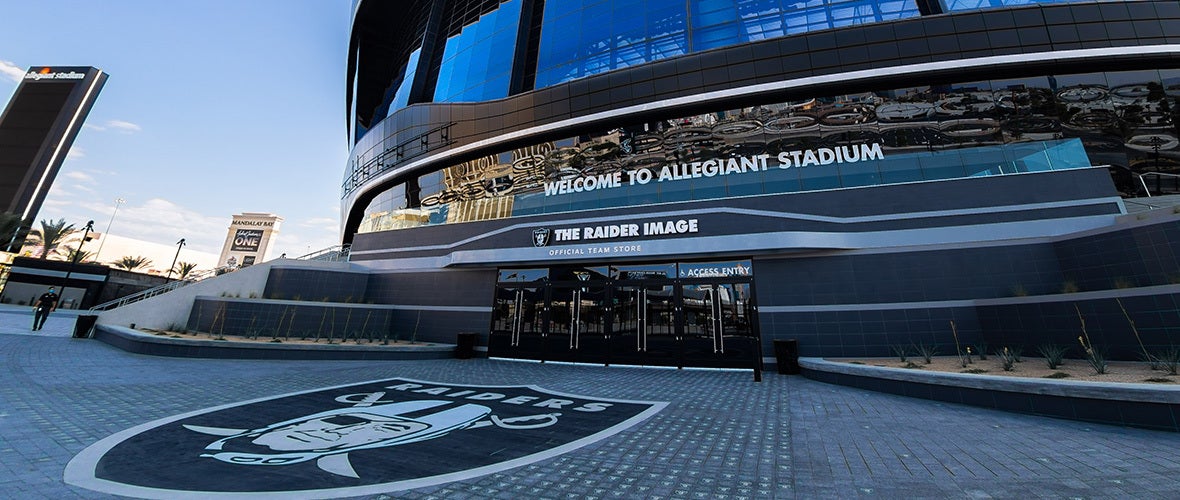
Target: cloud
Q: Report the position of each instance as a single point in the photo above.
(325, 223)
(155, 221)
(10, 70)
(297, 245)
(162, 221)
(57, 203)
(79, 176)
(122, 126)
(76, 153)
(125, 127)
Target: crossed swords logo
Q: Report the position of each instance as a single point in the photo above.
(329, 436)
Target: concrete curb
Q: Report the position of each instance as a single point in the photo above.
(1135, 405)
(141, 343)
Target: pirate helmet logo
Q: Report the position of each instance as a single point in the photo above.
(541, 237)
(327, 437)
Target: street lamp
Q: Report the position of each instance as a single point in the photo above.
(1156, 142)
(74, 258)
(118, 201)
(179, 244)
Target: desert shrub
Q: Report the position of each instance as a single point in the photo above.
(1094, 357)
(1053, 354)
(1169, 359)
(981, 350)
(926, 351)
(902, 352)
(1007, 360)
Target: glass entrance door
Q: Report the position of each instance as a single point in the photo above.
(719, 325)
(644, 331)
(578, 324)
(518, 323)
(695, 314)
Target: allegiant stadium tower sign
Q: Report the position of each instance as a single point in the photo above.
(716, 167)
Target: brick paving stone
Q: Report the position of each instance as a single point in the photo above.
(721, 436)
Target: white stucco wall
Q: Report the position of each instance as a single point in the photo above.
(173, 308)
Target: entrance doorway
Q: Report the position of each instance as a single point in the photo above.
(666, 314)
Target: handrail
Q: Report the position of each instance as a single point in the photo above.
(165, 288)
(1148, 205)
(1161, 174)
(1141, 175)
(337, 253)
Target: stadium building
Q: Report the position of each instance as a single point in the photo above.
(681, 183)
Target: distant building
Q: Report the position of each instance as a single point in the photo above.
(81, 285)
(36, 132)
(249, 238)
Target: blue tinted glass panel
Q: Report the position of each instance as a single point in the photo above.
(954, 5)
(713, 37)
(860, 174)
(602, 36)
(402, 96)
(477, 62)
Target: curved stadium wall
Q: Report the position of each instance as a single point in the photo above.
(868, 171)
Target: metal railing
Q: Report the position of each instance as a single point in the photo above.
(1148, 206)
(338, 253)
(162, 289)
(1159, 176)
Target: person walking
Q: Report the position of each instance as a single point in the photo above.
(46, 304)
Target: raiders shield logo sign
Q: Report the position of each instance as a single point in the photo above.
(541, 237)
(368, 438)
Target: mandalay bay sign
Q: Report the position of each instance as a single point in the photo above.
(716, 167)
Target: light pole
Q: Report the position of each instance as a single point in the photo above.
(1156, 142)
(74, 258)
(118, 201)
(179, 244)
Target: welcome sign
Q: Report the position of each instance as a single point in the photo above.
(716, 167)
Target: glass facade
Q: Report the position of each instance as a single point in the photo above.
(477, 62)
(957, 5)
(401, 96)
(585, 37)
(978, 128)
(577, 38)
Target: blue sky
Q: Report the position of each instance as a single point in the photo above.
(213, 108)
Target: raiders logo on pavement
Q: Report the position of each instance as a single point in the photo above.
(359, 439)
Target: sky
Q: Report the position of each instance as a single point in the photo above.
(213, 108)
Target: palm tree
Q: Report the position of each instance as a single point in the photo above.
(10, 229)
(50, 235)
(73, 255)
(132, 263)
(184, 268)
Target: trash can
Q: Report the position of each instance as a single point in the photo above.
(84, 325)
(465, 346)
(786, 354)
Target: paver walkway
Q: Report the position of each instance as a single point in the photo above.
(721, 436)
